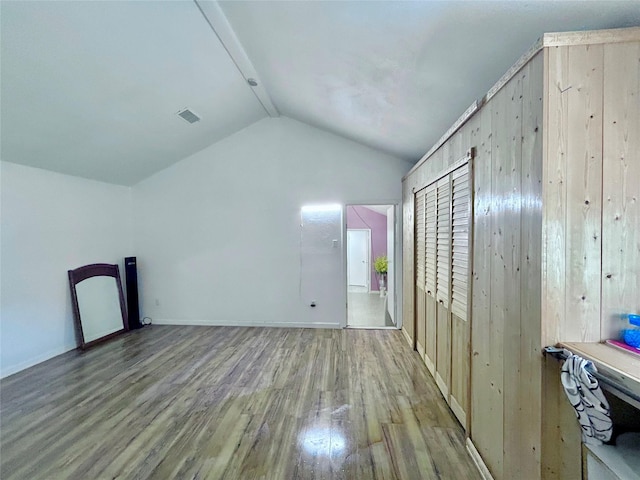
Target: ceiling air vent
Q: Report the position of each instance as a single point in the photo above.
(188, 116)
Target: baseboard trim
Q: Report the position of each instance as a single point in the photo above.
(407, 337)
(420, 349)
(458, 411)
(36, 360)
(430, 365)
(227, 323)
(477, 459)
(444, 389)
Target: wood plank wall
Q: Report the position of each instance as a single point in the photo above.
(504, 403)
(556, 244)
(530, 387)
(591, 197)
(591, 216)
(621, 186)
(573, 206)
(506, 358)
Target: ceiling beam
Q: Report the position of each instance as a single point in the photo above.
(218, 22)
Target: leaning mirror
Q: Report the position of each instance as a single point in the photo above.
(98, 303)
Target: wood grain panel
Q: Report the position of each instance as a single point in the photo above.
(443, 279)
(408, 263)
(553, 243)
(561, 434)
(431, 333)
(584, 192)
(621, 187)
(419, 243)
(530, 388)
(420, 320)
(588, 37)
(572, 229)
(430, 280)
(460, 368)
(555, 196)
(443, 350)
(556, 246)
(486, 399)
(573, 194)
(456, 148)
(461, 123)
(505, 306)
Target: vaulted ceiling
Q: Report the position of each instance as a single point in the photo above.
(92, 88)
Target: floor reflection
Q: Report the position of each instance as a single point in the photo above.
(323, 441)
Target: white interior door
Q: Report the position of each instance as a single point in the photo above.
(391, 291)
(358, 257)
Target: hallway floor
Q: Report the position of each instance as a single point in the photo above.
(367, 310)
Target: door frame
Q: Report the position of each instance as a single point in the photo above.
(368, 232)
(397, 248)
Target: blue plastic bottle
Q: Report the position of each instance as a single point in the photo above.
(631, 336)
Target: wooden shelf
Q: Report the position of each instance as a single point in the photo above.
(622, 367)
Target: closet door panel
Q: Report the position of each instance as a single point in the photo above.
(431, 203)
(430, 358)
(460, 287)
(460, 368)
(443, 350)
(443, 284)
(420, 271)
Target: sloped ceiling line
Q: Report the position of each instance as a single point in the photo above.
(218, 22)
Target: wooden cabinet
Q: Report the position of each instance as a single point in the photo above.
(553, 252)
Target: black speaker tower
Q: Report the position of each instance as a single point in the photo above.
(131, 277)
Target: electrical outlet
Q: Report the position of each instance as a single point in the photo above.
(157, 302)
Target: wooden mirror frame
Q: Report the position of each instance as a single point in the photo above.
(95, 270)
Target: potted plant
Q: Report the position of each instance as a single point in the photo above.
(380, 265)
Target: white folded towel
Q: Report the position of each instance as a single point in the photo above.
(587, 399)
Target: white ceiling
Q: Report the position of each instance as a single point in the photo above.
(396, 75)
(92, 88)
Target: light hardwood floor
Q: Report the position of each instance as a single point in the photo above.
(234, 403)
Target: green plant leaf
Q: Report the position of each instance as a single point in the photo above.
(380, 264)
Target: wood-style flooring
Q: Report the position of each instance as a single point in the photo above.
(232, 403)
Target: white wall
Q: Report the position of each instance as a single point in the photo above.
(51, 223)
(217, 235)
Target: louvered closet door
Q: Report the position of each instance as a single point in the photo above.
(460, 260)
(420, 269)
(443, 279)
(461, 195)
(431, 215)
(443, 235)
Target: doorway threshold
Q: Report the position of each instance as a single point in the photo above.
(365, 327)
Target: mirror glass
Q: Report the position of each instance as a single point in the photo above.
(98, 303)
(99, 307)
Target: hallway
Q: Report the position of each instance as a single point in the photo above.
(366, 310)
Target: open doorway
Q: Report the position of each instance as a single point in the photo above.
(370, 266)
